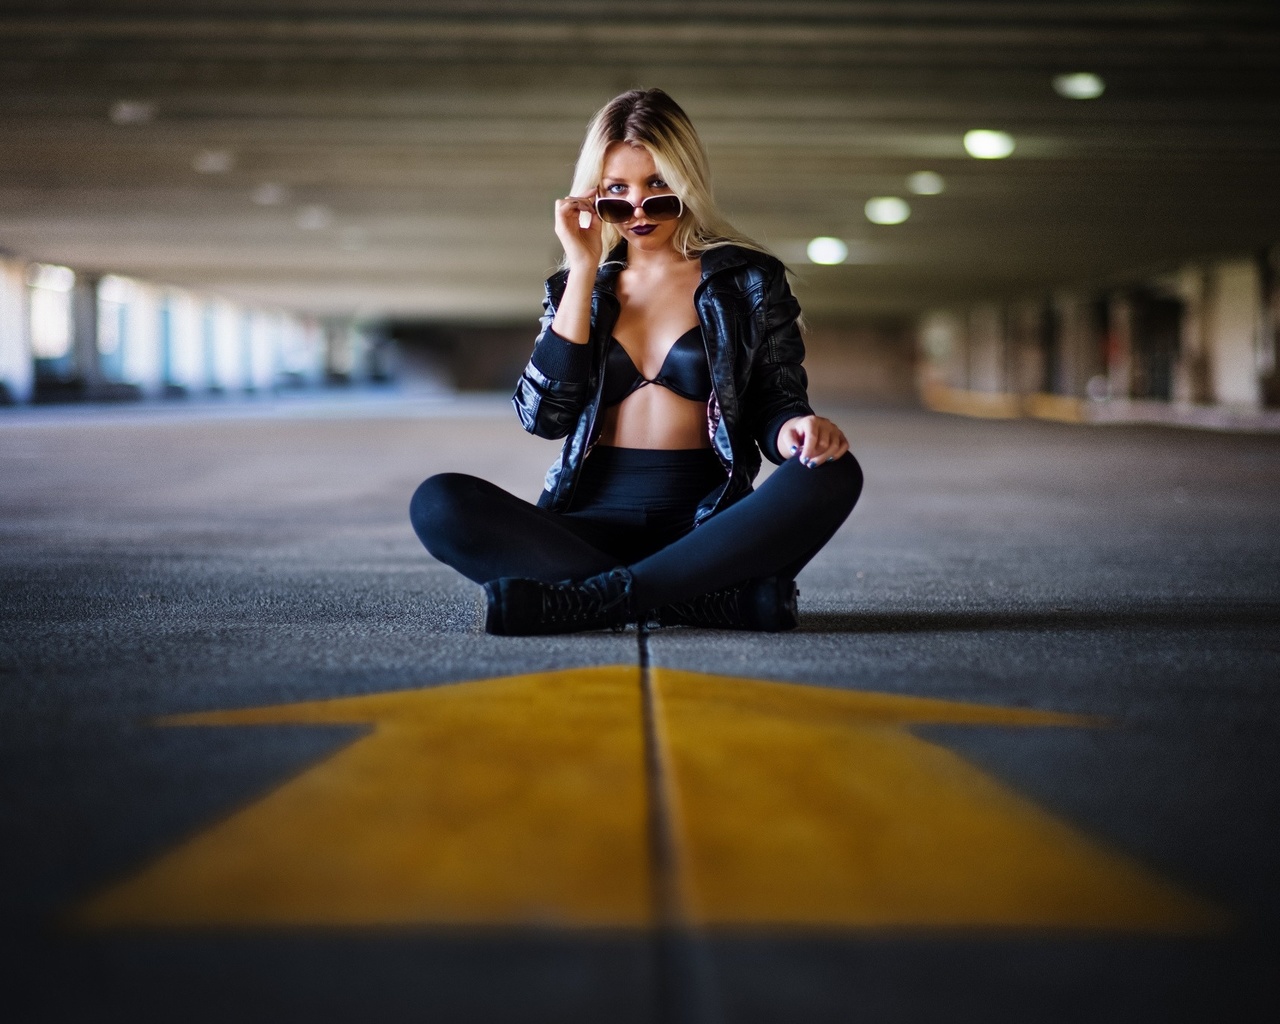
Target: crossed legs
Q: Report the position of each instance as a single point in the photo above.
(487, 533)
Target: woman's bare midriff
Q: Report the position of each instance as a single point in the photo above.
(655, 417)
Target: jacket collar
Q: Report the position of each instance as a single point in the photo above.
(722, 257)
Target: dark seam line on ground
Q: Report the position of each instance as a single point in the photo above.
(684, 987)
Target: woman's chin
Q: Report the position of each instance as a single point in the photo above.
(654, 242)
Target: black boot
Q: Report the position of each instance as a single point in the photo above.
(531, 608)
(767, 605)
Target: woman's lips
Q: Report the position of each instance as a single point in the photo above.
(644, 229)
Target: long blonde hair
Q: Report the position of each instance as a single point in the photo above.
(652, 119)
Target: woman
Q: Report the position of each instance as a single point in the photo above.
(669, 357)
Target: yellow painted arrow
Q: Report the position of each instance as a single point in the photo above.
(800, 805)
(523, 800)
(508, 800)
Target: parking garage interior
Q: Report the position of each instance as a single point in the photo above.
(266, 266)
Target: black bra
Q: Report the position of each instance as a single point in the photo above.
(684, 371)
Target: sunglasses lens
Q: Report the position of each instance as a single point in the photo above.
(614, 211)
(662, 207)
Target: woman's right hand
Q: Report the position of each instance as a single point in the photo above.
(582, 246)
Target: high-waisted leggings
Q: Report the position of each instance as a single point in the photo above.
(634, 507)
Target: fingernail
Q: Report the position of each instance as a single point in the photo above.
(795, 448)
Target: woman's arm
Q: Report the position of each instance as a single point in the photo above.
(578, 228)
(554, 387)
(777, 398)
(777, 387)
(553, 390)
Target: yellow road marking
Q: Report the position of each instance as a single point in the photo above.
(801, 805)
(522, 800)
(517, 800)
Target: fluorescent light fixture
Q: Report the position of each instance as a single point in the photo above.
(50, 277)
(270, 193)
(1079, 85)
(115, 289)
(887, 210)
(314, 218)
(213, 161)
(132, 112)
(926, 183)
(988, 145)
(827, 251)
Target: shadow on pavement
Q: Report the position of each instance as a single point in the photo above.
(1171, 616)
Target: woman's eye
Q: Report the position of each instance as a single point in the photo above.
(657, 183)
(616, 189)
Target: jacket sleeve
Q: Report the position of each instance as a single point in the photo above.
(554, 388)
(777, 389)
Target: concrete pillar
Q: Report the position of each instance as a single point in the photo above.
(1027, 348)
(1079, 347)
(186, 353)
(142, 350)
(1191, 372)
(17, 368)
(264, 349)
(113, 327)
(339, 354)
(986, 348)
(1269, 361)
(84, 334)
(1119, 346)
(1234, 327)
(228, 361)
(942, 350)
(302, 352)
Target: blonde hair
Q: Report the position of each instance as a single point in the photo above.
(652, 119)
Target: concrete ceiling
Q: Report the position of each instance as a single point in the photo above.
(419, 145)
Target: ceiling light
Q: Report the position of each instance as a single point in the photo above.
(270, 193)
(313, 218)
(1080, 85)
(827, 251)
(132, 112)
(887, 210)
(50, 277)
(988, 145)
(115, 289)
(925, 183)
(213, 161)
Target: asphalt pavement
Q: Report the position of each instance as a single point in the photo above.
(258, 760)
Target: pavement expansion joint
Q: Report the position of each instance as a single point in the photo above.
(685, 985)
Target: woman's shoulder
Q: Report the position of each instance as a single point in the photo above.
(731, 255)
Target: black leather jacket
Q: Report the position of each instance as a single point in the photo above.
(749, 325)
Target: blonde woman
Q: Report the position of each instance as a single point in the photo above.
(669, 358)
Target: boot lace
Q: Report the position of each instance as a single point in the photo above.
(719, 609)
(585, 604)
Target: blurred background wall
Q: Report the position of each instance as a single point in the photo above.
(1009, 208)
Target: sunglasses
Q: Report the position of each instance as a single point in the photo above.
(616, 211)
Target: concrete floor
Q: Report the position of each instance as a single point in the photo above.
(160, 562)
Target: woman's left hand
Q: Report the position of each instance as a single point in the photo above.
(813, 439)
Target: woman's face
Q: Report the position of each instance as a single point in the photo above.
(630, 174)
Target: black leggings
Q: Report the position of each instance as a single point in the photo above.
(634, 507)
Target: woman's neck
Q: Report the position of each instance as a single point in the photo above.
(654, 262)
